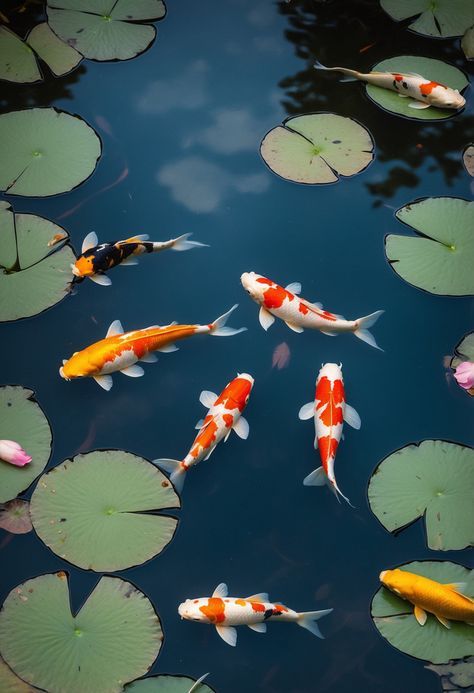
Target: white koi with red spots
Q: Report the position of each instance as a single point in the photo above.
(226, 612)
(423, 92)
(329, 410)
(298, 313)
(224, 415)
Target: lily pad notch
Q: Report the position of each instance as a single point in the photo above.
(317, 148)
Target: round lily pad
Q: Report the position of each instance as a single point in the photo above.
(464, 351)
(114, 637)
(33, 275)
(97, 511)
(17, 60)
(439, 18)
(59, 56)
(22, 420)
(168, 683)
(433, 479)
(10, 683)
(394, 619)
(441, 257)
(106, 29)
(467, 43)
(45, 152)
(468, 159)
(433, 70)
(317, 148)
(15, 517)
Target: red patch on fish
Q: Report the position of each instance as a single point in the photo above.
(281, 356)
(331, 396)
(428, 87)
(275, 295)
(205, 438)
(258, 606)
(235, 395)
(214, 610)
(397, 77)
(303, 309)
(327, 449)
(264, 280)
(280, 608)
(228, 420)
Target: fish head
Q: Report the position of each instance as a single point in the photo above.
(397, 581)
(255, 285)
(241, 387)
(75, 367)
(447, 98)
(190, 610)
(84, 266)
(331, 371)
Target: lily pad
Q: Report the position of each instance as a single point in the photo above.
(15, 517)
(441, 257)
(59, 56)
(115, 636)
(442, 18)
(433, 70)
(33, 275)
(45, 152)
(464, 351)
(17, 60)
(468, 159)
(22, 420)
(434, 479)
(394, 619)
(106, 29)
(167, 683)
(467, 43)
(10, 683)
(97, 510)
(456, 675)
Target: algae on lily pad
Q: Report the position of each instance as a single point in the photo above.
(440, 259)
(433, 70)
(317, 148)
(434, 480)
(394, 619)
(10, 683)
(114, 637)
(168, 683)
(22, 420)
(59, 56)
(106, 29)
(439, 18)
(15, 517)
(98, 511)
(17, 60)
(464, 351)
(45, 152)
(468, 159)
(33, 275)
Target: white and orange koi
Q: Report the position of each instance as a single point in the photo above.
(298, 313)
(120, 350)
(96, 259)
(224, 415)
(226, 612)
(423, 92)
(329, 410)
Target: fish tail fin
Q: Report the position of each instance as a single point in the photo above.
(316, 478)
(337, 492)
(307, 619)
(218, 328)
(319, 66)
(175, 469)
(362, 331)
(182, 243)
(351, 75)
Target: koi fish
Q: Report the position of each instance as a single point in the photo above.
(226, 612)
(298, 313)
(329, 410)
(424, 92)
(120, 350)
(96, 259)
(446, 602)
(223, 416)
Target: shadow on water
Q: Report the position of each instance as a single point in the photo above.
(359, 35)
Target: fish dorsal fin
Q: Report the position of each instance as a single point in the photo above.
(136, 239)
(115, 328)
(259, 598)
(90, 241)
(221, 590)
(293, 288)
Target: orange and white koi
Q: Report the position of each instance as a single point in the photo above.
(224, 415)
(120, 350)
(329, 410)
(446, 602)
(96, 259)
(297, 313)
(226, 612)
(423, 92)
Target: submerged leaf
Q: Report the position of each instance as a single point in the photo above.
(456, 675)
(434, 480)
(464, 351)
(393, 617)
(97, 510)
(440, 259)
(15, 517)
(468, 159)
(45, 152)
(442, 18)
(167, 683)
(33, 275)
(58, 55)
(22, 420)
(433, 70)
(17, 60)
(115, 636)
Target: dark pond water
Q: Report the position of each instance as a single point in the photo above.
(181, 127)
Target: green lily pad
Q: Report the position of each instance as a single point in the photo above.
(441, 257)
(33, 275)
(317, 148)
(394, 619)
(15, 517)
(434, 479)
(464, 351)
(10, 683)
(60, 57)
(115, 636)
(433, 70)
(22, 420)
(167, 683)
(468, 159)
(17, 60)
(106, 29)
(456, 675)
(441, 18)
(97, 510)
(467, 43)
(45, 152)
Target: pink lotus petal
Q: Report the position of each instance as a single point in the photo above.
(13, 453)
(464, 375)
(281, 356)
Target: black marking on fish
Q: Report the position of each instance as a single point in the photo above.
(268, 613)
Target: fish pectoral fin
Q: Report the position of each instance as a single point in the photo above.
(129, 261)
(207, 398)
(149, 358)
(316, 478)
(293, 288)
(90, 241)
(199, 424)
(260, 598)
(329, 334)
(403, 96)
(168, 348)
(133, 371)
(306, 411)
(265, 318)
(444, 621)
(101, 279)
(241, 427)
(228, 634)
(417, 105)
(221, 590)
(420, 615)
(105, 381)
(351, 417)
(295, 328)
(258, 627)
(317, 304)
(198, 682)
(115, 327)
